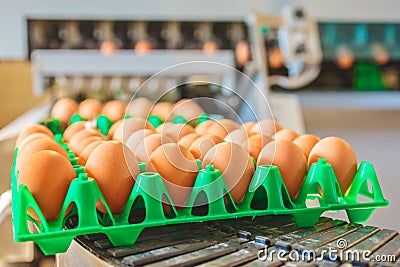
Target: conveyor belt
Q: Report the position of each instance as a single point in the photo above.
(241, 242)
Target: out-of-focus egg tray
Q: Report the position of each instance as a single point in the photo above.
(266, 195)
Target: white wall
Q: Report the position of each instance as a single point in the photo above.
(13, 14)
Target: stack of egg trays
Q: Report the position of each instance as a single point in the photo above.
(266, 195)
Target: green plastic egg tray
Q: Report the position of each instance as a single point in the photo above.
(266, 195)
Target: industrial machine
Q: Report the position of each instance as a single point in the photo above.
(91, 67)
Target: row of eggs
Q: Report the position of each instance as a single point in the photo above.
(89, 109)
(171, 150)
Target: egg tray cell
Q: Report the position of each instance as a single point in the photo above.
(266, 195)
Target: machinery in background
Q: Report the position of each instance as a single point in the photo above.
(112, 59)
(360, 45)
(365, 56)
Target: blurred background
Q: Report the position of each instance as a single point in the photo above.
(326, 67)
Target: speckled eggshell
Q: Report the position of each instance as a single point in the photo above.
(107, 164)
(236, 166)
(290, 160)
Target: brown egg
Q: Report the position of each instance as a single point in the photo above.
(148, 145)
(177, 131)
(37, 128)
(31, 138)
(82, 135)
(73, 129)
(223, 127)
(63, 109)
(306, 142)
(229, 125)
(85, 142)
(163, 110)
(210, 47)
(165, 125)
(189, 109)
(286, 134)
(188, 140)
(266, 127)
(47, 175)
(236, 166)
(248, 126)
(113, 127)
(90, 108)
(108, 47)
(107, 164)
(255, 143)
(179, 169)
(35, 146)
(340, 155)
(129, 126)
(87, 151)
(201, 145)
(143, 47)
(275, 58)
(114, 110)
(237, 136)
(140, 107)
(242, 53)
(136, 138)
(290, 160)
(344, 57)
(203, 127)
